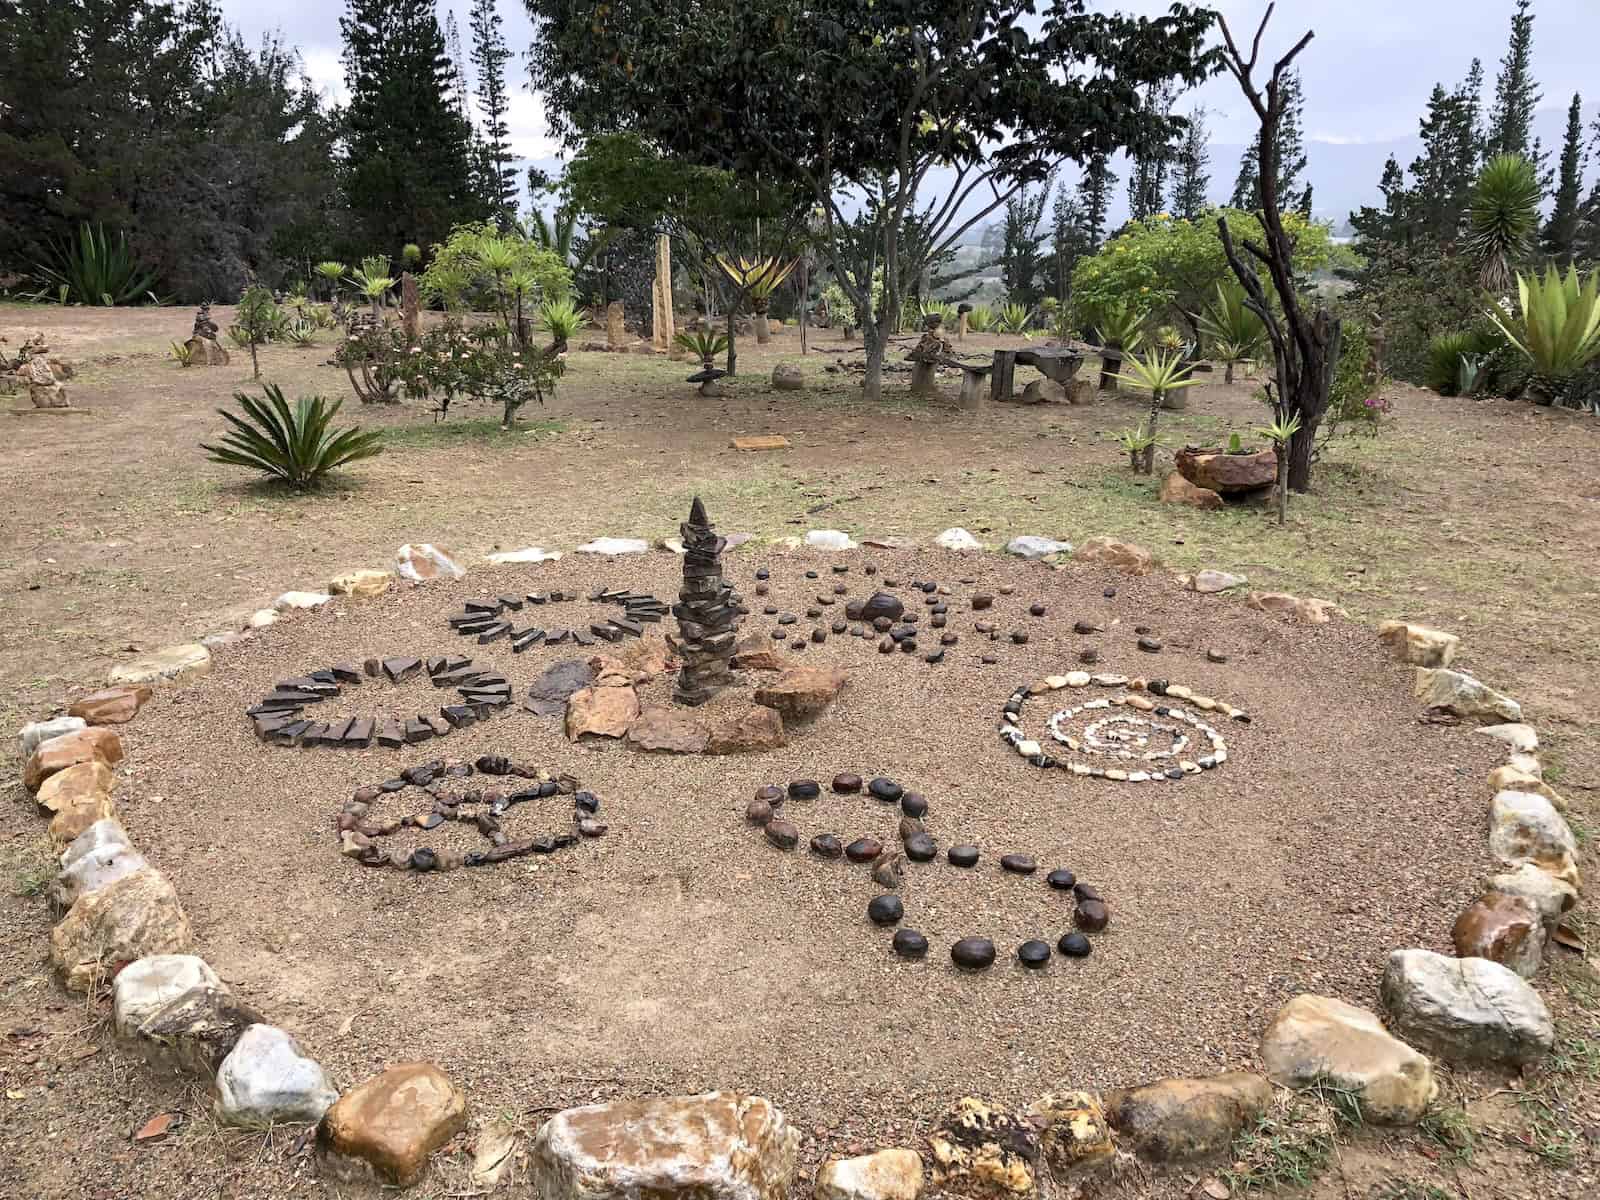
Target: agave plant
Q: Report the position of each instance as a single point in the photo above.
(1121, 327)
(980, 319)
(1136, 443)
(1445, 353)
(1235, 333)
(1557, 328)
(1503, 217)
(1015, 319)
(295, 444)
(1280, 433)
(562, 319)
(95, 269)
(330, 272)
(758, 278)
(704, 344)
(301, 332)
(181, 354)
(1159, 372)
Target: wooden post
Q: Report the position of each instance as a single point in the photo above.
(1005, 365)
(805, 299)
(1110, 365)
(961, 328)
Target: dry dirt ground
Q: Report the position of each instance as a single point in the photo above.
(681, 952)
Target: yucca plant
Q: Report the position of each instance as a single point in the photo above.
(181, 354)
(1280, 433)
(1236, 334)
(704, 344)
(410, 254)
(1015, 319)
(980, 319)
(1503, 217)
(562, 319)
(1557, 328)
(758, 278)
(372, 283)
(1136, 443)
(1160, 372)
(1120, 327)
(1443, 369)
(301, 332)
(330, 272)
(96, 269)
(294, 445)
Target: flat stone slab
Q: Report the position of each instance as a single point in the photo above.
(168, 664)
(612, 545)
(1031, 546)
(528, 554)
(763, 441)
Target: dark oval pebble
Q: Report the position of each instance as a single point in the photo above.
(1020, 638)
(1089, 656)
(1061, 879)
(846, 783)
(1216, 656)
(432, 821)
(787, 619)
(882, 624)
(870, 569)
(771, 610)
(908, 943)
(588, 801)
(1109, 593)
(930, 588)
(1019, 864)
(1087, 891)
(1036, 609)
(1091, 915)
(778, 635)
(949, 639)
(423, 859)
(885, 789)
(920, 848)
(886, 646)
(813, 613)
(973, 953)
(885, 910)
(914, 804)
(819, 636)
(841, 570)
(962, 856)
(909, 645)
(798, 644)
(840, 626)
(1074, 945)
(863, 850)
(1150, 645)
(763, 573)
(758, 812)
(760, 589)
(772, 794)
(783, 834)
(811, 574)
(827, 845)
(939, 609)
(1033, 953)
(938, 622)
(981, 602)
(1085, 627)
(934, 656)
(983, 627)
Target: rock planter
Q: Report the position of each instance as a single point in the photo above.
(1228, 474)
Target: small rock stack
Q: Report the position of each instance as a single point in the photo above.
(708, 613)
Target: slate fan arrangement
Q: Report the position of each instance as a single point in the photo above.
(487, 619)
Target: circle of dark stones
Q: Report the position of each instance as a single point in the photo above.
(491, 620)
(443, 782)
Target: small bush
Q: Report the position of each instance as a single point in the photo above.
(295, 444)
(1445, 353)
(96, 269)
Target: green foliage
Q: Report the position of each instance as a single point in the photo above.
(1117, 325)
(410, 254)
(1504, 217)
(1557, 327)
(1158, 372)
(295, 445)
(481, 362)
(1355, 400)
(981, 319)
(181, 354)
(561, 318)
(470, 270)
(1226, 321)
(1135, 442)
(1014, 319)
(95, 269)
(331, 272)
(256, 320)
(1446, 353)
(301, 332)
(756, 278)
(704, 344)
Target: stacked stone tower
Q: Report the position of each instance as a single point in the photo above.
(708, 613)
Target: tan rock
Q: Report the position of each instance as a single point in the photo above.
(611, 671)
(601, 712)
(767, 441)
(1227, 473)
(170, 664)
(1461, 694)
(68, 750)
(666, 730)
(136, 916)
(1208, 582)
(1521, 737)
(1526, 828)
(801, 693)
(1552, 898)
(391, 1123)
(1124, 556)
(983, 1151)
(1043, 391)
(756, 729)
(362, 584)
(1314, 1037)
(112, 706)
(1504, 929)
(761, 658)
(1175, 489)
(1175, 1120)
(886, 1175)
(1310, 610)
(1419, 645)
(717, 1146)
(70, 786)
(78, 815)
(1509, 778)
(1074, 1137)
(648, 657)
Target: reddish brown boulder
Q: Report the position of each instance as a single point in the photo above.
(757, 728)
(1226, 473)
(1175, 489)
(391, 1123)
(601, 712)
(802, 693)
(761, 658)
(113, 705)
(667, 731)
(59, 753)
(1504, 929)
(74, 785)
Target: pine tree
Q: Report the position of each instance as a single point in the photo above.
(1021, 242)
(1392, 224)
(489, 55)
(1095, 196)
(1191, 177)
(1247, 186)
(1147, 176)
(458, 62)
(1451, 153)
(1291, 157)
(1516, 93)
(1069, 240)
(408, 177)
(1561, 231)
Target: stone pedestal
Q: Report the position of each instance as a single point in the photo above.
(410, 308)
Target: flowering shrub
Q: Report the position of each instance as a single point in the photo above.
(482, 362)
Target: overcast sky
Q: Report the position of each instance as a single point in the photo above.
(1367, 75)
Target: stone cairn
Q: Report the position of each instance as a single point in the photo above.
(708, 613)
(203, 348)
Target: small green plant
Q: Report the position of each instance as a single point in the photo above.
(704, 344)
(1452, 1130)
(562, 319)
(95, 268)
(1236, 334)
(1557, 328)
(181, 354)
(1160, 372)
(1503, 217)
(331, 273)
(301, 332)
(1445, 353)
(1120, 327)
(1136, 443)
(295, 445)
(410, 254)
(1280, 433)
(1279, 1151)
(256, 320)
(32, 865)
(1015, 319)
(980, 319)
(372, 280)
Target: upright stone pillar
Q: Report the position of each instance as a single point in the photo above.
(664, 327)
(410, 308)
(616, 332)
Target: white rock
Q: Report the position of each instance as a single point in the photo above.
(262, 617)
(103, 833)
(145, 987)
(1519, 736)
(955, 539)
(1209, 582)
(1461, 694)
(226, 637)
(674, 544)
(1552, 897)
(1031, 546)
(1524, 827)
(1528, 764)
(266, 1080)
(42, 731)
(424, 561)
(528, 554)
(1465, 1008)
(93, 870)
(1314, 1037)
(612, 545)
(168, 663)
(300, 600)
(829, 539)
(887, 1175)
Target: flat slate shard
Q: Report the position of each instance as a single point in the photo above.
(401, 668)
(547, 695)
(708, 613)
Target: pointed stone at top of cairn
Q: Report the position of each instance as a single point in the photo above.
(708, 612)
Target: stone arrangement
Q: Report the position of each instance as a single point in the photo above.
(486, 620)
(481, 808)
(975, 953)
(280, 719)
(202, 348)
(708, 612)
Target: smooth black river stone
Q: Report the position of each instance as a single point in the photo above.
(423, 859)
(811, 574)
(1149, 645)
(1061, 879)
(763, 573)
(934, 656)
(827, 845)
(886, 646)
(920, 848)
(840, 626)
(914, 804)
(882, 604)
(1216, 656)
(1092, 915)
(778, 635)
(908, 943)
(1019, 864)
(1074, 945)
(804, 789)
(771, 610)
(813, 613)
(846, 783)
(863, 850)
(1087, 891)
(759, 812)
(962, 856)
(909, 645)
(787, 619)
(1036, 609)
(885, 789)
(938, 621)
(819, 636)
(1033, 953)
(973, 953)
(586, 801)
(886, 909)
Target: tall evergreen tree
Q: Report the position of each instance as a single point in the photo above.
(489, 55)
(1516, 93)
(1095, 197)
(408, 176)
(1147, 173)
(1561, 231)
(1191, 177)
(1291, 157)
(1022, 239)
(458, 61)
(1452, 151)
(1070, 238)
(1393, 223)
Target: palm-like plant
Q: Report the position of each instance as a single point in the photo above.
(96, 269)
(1159, 372)
(1136, 443)
(1120, 327)
(295, 444)
(980, 319)
(1015, 319)
(330, 272)
(372, 280)
(1280, 433)
(1234, 331)
(1503, 216)
(757, 278)
(1446, 353)
(562, 319)
(1557, 328)
(704, 344)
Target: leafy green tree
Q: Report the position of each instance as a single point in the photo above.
(489, 55)
(1561, 230)
(1191, 177)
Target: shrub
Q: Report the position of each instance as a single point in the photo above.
(704, 344)
(294, 445)
(483, 363)
(95, 269)
(1445, 354)
(1355, 401)
(257, 320)
(562, 319)
(980, 319)
(1015, 318)
(469, 269)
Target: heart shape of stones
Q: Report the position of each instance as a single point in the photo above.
(358, 837)
(484, 619)
(1145, 748)
(1090, 913)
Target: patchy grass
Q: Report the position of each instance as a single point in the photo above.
(478, 433)
(1289, 1147)
(1410, 1189)
(1550, 1134)
(1451, 1129)
(30, 865)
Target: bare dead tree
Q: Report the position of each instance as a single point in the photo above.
(1305, 348)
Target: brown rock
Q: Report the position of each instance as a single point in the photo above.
(1504, 929)
(393, 1121)
(1175, 489)
(802, 693)
(666, 730)
(1124, 556)
(1074, 1137)
(649, 657)
(610, 671)
(983, 1151)
(59, 753)
(761, 658)
(138, 915)
(74, 785)
(758, 728)
(1419, 645)
(113, 705)
(1173, 1120)
(1311, 610)
(601, 712)
(77, 815)
(195, 1031)
(1226, 473)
